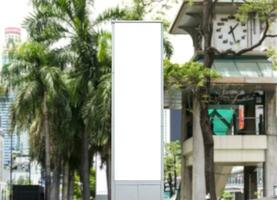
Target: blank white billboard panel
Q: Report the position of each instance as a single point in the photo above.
(137, 101)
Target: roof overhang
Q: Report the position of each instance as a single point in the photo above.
(250, 71)
(190, 14)
(247, 83)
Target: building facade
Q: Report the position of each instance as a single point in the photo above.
(243, 119)
(235, 183)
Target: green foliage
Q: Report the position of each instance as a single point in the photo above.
(77, 187)
(227, 196)
(2, 90)
(172, 159)
(137, 10)
(77, 194)
(191, 75)
(111, 14)
(22, 181)
(263, 8)
(160, 9)
(272, 54)
(34, 76)
(168, 48)
(104, 47)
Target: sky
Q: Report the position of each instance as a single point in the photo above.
(13, 12)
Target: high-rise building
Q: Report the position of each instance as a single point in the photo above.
(12, 39)
(5, 105)
(18, 142)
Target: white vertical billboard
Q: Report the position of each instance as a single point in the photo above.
(137, 110)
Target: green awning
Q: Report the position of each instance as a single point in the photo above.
(221, 120)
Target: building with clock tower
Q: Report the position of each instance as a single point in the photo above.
(243, 107)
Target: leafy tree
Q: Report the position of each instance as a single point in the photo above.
(172, 161)
(190, 77)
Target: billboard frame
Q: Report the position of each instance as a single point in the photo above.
(114, 183)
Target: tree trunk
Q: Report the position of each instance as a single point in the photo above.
(108, 172)
(169, 180)
(65, 180)
(71, 185)
(85, 166)
(207, 29)
(198, 168)
(175, 174)
(47, 150)
(55, 186)
(186, 187)
(209, 152)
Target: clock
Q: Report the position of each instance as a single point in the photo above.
(229, 33)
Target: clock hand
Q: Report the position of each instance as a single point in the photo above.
(234, 37)
(232, 31)
(233, 28)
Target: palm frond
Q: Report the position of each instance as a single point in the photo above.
(22, 109)
(110, 14)
(104, 47)
(168, 48)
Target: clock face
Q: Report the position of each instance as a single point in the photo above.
(229, 33)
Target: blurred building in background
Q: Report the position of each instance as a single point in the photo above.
(17, 143)
(12, 39)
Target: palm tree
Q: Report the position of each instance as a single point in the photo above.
(39, 87)
(53, 21)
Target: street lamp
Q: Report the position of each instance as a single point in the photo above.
(275, 191)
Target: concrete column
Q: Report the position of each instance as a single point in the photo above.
(186, 171)
(250, 182)
(186, 186)
(221, 177)
(198, 170)
(271, 131)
